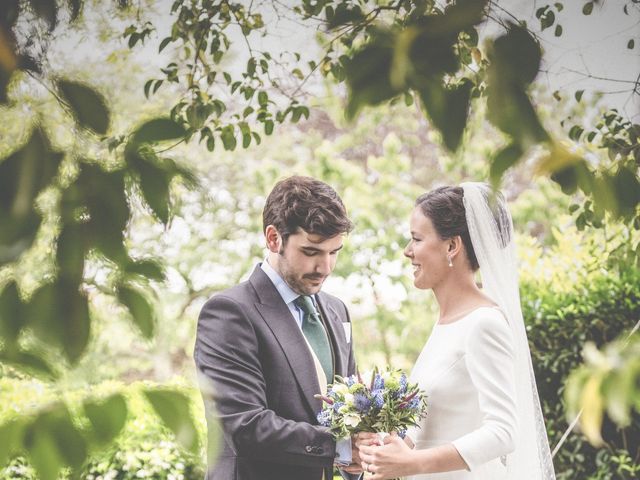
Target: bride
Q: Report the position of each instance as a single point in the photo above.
(484, 420)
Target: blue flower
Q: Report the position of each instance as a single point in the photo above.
(403, 384)
(324, 418)
(402, 433)
(378, 382)
(361, 402)
(337, 405)
(350, 381)
(378, 398)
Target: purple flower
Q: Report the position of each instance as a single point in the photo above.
(361, 402)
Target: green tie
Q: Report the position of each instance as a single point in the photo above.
(316, 336)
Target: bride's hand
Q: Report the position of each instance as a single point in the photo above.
(366, 439)
(387, 461)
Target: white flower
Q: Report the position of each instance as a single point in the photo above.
(340, 389)
(348, 399)
(352, 420)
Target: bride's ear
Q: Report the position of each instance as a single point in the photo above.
(455, 246)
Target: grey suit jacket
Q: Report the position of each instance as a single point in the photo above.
(264, 381)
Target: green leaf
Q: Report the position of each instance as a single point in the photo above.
(158, 130)
(31, 363)
(575, 132)
(558, 31)
(173, 408)
(70, 252)
(164, 43)
(59, 314)
(559, 6)
(504, 159)
(588, 8)
(344, 14)
(516, 56)
(107, 416)
(89, 107)
(268, 127)
(12, 313)
(448, 110)
(228, 137)
(631, 44)
(23, 176)
(140, 309)
(578, 95)
(510, 109)
(547, 20)
(11, 434)
(368, 76)
(154, 180)
(151, 269)
(52, 442)
(627, 189)
(103, 195)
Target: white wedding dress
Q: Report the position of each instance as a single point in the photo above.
(467, 370)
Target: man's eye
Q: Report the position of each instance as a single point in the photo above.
(309, 254)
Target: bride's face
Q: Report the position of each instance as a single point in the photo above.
(427, 252)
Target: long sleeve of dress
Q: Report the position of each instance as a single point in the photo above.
(489, 360)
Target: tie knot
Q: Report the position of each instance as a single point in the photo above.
(306, 304)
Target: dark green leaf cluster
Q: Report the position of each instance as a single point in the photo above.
(611, 186)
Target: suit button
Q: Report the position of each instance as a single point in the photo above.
(308, 449)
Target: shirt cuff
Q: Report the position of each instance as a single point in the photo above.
(343, 451)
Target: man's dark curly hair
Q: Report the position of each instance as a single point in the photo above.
(305, 203)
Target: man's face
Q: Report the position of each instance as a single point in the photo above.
(306, 260)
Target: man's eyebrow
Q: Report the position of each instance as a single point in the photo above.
(309, 248)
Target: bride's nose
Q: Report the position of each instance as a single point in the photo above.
(408, 251)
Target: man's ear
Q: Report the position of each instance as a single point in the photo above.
(273, 238)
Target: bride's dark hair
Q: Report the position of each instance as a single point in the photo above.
(444, 206)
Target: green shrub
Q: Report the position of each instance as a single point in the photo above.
(599, 308)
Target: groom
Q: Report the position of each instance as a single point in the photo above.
(268, 345)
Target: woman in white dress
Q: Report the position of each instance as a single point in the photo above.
(484, 420)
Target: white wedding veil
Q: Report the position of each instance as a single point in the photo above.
(491, 232)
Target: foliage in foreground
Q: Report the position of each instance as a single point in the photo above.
(144, 449)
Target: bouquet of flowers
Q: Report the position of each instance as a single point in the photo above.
(386, 403)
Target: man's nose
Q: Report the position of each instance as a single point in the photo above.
(324, 264)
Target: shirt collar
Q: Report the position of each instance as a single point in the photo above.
(283, 288)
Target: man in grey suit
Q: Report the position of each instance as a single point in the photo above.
(270, 344)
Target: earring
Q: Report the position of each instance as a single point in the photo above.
(450, 262)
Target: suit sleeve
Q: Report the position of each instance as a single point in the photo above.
(490, 364)
(227, 357)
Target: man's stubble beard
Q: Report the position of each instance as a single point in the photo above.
(290, 277)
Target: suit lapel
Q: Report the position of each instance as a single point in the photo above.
(278, 318)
